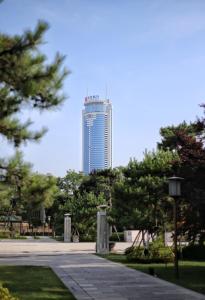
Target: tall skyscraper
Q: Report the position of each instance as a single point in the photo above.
(97, 134)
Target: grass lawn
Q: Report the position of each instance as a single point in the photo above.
(13, 238)
(192, 273)
(33, 283)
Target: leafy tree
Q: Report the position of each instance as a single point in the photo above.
(83, 209)
(26, 81)
(188, 142)
(67, 190)
(172, 135)
(25, 193)
(140, 198)
(13, 178)
(70, 184)
(81, 204)
(101, 182)
(38, 190)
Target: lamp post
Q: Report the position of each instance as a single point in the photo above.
(175, 192)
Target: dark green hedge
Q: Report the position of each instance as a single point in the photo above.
(152, 255)
(194, 252)
(114, 237)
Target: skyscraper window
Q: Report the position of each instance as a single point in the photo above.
(97, 134)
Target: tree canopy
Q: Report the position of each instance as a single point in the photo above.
(26, 80)
(187, 140)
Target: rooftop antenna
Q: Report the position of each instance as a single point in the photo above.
(106, 92)
(86, 92)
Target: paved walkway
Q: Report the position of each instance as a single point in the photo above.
(92, 277)
(46, 245)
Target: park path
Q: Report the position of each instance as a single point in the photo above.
(91, 277)
(47, 245)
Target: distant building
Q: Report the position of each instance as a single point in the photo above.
(97, 134)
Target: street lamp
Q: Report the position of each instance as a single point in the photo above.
(175, 192)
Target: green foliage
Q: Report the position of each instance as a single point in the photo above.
(187, 140)
(129, 250)
(5, 234)
(170, 139)
(5, 196)
(83, 209)
(39, 190)
(80, 195)
(13, 176)
(67, 192)
(194, 252)
(154, 254)
(140, 198)
(25, 193)
(117, 237)
(5, 295)
(26, 80)
(68, 186)
(100, 182)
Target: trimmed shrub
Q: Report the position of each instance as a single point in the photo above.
(129, 250)
(87, 238)
(114, 237)
(5, 295)
(5, 234)
(151, 255)
(193, 252)
(156, 253)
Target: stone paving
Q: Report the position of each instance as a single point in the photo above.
(46, 245)
(92, 277)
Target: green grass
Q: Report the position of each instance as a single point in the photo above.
(2, 237)
(33, 283)
(192, 273)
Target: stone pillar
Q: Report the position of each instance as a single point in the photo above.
(102, 245)
(67, 228)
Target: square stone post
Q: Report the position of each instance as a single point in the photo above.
(102, 245)
(67, 228)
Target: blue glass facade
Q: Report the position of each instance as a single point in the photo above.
(97, 134)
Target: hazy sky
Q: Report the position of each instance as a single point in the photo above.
(149, 53)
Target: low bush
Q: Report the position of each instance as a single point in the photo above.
(87, 238)
(5, 234)
(151, 255)
(194, 251)
(117, 237)
(129, 250)
(5, 295)
(156, 253)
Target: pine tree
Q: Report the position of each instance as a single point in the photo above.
(26, 80)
